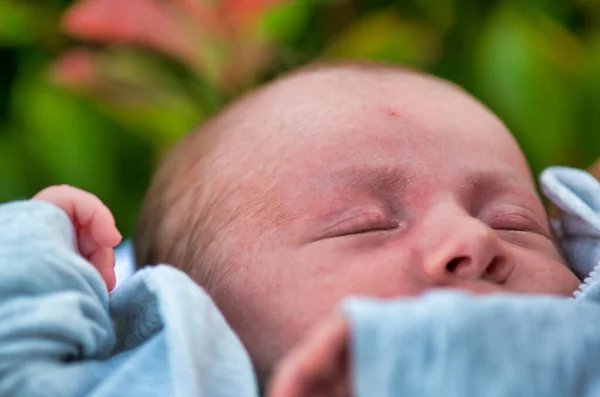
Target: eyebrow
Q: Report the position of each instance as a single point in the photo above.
(378, 178)
(487, 185)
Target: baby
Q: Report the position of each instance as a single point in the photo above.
(349, 179)
(341, 180)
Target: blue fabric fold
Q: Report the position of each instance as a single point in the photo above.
(454, 345)
(158, 334)
(577, 194)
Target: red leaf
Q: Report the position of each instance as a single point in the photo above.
(145, 23)
(242, 13)
(206, 15)
(76, 70)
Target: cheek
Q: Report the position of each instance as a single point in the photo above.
(326, 272)
(273, 302)
(541, 273)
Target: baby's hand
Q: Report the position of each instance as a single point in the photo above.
(94, 224)
(318, 366)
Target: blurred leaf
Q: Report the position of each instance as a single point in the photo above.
(12, 177)
(16, 21)
(77, 70)
(286, 22)
(202, 36)
(386, 36)
(26, 23)
(559, 46)
(590, 126)
(524, 75)
(145, 23)
(67, 142)
(441, 12)
(243, 14)
(590, 8)
(136, 90)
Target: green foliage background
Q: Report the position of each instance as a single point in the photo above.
(535, 63)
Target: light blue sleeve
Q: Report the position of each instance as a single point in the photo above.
(61, 335)
(53, 306)
(455, 345)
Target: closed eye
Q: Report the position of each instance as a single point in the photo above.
(362, 223)
(515, 222)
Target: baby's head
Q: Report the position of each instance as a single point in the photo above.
(351, 179)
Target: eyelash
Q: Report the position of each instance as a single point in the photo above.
(365, 223)
(516, 223)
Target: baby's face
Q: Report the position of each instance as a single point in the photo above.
(374, 185)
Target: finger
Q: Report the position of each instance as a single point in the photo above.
(317, 365)
(103, 260)
(85, 241)
(84, 209)
(285, 382)
(306, 369)
(321, 354)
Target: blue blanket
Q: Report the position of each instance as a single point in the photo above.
(453, 345)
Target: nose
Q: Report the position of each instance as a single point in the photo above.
(460, 247)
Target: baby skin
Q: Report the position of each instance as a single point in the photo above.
(369, 181)
(409, 186)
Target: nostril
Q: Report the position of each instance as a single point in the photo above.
(494, 265)
(453, 264)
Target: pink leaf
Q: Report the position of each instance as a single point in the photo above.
(146, 23)
(76, 70)
(242, 13)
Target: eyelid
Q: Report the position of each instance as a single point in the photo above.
(515, 221)
(360, 222)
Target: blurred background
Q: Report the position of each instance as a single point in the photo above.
(93, 92)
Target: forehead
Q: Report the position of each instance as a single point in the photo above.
(338, 115)
(297, 137)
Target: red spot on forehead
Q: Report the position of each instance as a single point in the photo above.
(392, 112)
